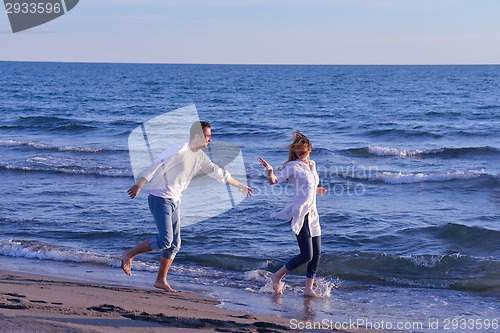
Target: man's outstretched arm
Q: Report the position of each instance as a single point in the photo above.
(245, 190)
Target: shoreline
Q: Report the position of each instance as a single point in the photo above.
(30, 303)
(41, 303)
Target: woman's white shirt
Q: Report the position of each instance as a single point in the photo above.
(305, 181)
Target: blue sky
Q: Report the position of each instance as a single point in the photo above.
(265, 32)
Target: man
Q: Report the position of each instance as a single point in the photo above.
(168, 177)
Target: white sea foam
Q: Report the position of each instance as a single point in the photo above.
(451, 152)
(41, 251)
(429, 261)
(44, 146)
(388, 151)
(257, 275)
(420, 177)
(35, 250)
(291, 284)
(44, 166)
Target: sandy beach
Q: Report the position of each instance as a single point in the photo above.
(43, 304)
(34, 303)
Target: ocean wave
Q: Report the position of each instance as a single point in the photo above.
(42, 251)
(72, 170)
(38, 250)
(227, 261)
(467, 237)
(247, 273)
(386, 151)
(399, 177)
(488, 107)
(471, 152)
(402, 133)
(54, 123)
(445, 114)
(445, 152)
(447, 271)
(44, 146)
(396, 178)
(202, 274)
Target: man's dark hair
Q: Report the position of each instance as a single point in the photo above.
(197, 128)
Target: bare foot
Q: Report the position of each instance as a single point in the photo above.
(126, 263)
(311, 293)
(277, 285)
(164, 286)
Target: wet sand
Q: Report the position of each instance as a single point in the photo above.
(43, 304)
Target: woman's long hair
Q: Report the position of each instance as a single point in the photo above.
(300, 143)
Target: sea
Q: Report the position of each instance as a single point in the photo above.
(410, 156)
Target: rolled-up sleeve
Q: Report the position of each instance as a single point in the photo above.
(150, 171)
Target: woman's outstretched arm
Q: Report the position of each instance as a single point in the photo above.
(271, 177)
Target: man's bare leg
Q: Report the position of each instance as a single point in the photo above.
(128, 255)
(161, 278)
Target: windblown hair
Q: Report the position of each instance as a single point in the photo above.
(300, 143)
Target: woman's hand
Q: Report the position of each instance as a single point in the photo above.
(265, 164)
(271, 178)
(321, 190)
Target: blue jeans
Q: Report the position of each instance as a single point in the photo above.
(166, 214)
(310, 251)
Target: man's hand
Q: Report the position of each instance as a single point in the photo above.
(134, 191)
(245, 190)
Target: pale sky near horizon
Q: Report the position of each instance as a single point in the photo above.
(264, 32)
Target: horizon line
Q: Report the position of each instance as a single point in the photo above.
(249, 64)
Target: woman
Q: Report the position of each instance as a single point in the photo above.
(300, 171)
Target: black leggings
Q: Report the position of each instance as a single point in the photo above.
(310, 251)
